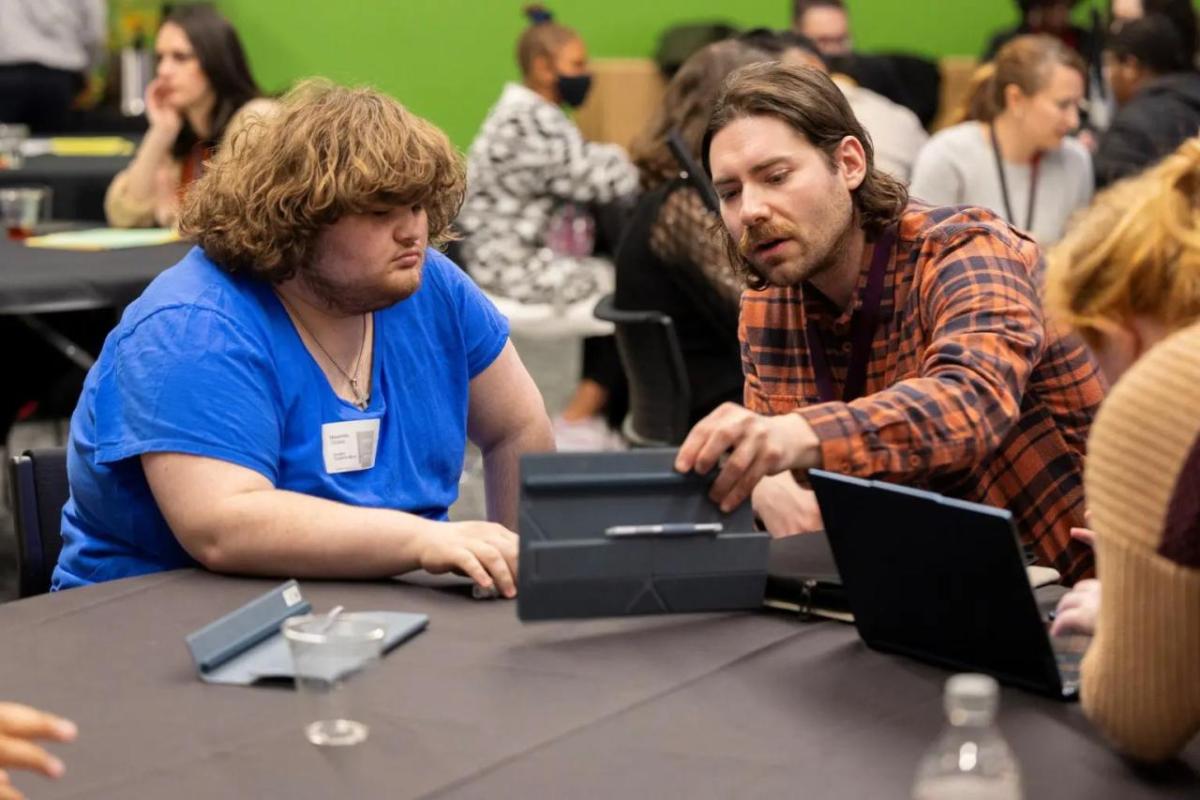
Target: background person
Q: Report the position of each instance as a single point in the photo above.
(671, 258)
(1181, 13)
(1157, 91)
(895, 131)
(48, 48)
(826, 23)
(1047, 17)
(201, 95)
(1128, 278)
(533, 185)
(1015, 154)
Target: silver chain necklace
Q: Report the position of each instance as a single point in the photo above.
(361, 400)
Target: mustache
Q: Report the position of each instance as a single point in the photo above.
(752, 238)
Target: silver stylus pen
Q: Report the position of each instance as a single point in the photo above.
(665, 528)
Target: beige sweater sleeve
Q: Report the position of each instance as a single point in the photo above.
(123, 210)
(1140, 683)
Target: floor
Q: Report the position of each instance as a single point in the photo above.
(554, 365)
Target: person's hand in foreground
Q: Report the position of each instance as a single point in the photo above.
(483, 551)
(1078, 610)
(784, 507)
(19, 726)
(758, 446)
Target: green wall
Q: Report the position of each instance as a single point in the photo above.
(446, 59)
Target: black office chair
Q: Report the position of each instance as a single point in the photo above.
(39, 490)
(659, 394)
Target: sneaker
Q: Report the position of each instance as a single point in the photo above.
(586, 436)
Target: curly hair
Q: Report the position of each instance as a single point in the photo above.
(813, 106)
(1134, 253)
(329, 151)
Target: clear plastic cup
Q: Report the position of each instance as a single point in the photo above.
(12, 137)
(22, 208)
(326, 653)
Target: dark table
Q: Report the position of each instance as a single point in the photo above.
(37, 283)
(479, 705)
(35, 280)
(78, 182)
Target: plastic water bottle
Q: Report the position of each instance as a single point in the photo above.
(970, 760)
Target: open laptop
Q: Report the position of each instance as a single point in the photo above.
(944, 581)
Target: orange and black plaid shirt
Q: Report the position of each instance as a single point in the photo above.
(969, 392)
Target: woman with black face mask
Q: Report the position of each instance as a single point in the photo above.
(537, 195)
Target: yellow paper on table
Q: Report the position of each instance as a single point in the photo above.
(91, 146)
(104, 238)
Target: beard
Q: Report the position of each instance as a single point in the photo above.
(821, 245)
(815, 257)
(354, 299)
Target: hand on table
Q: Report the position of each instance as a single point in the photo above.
(785, 507)
(758, 446)
(483, 551)
(19, 725)
(1078, 610)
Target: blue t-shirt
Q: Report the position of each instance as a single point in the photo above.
(210, 364)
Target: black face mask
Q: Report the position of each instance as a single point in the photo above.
(573, 89)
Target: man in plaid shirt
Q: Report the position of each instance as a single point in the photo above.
(882, 337)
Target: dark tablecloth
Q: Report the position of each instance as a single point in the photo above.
(480, 705)
(40, 280)
(78, 182)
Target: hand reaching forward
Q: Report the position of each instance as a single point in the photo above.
(19, 725)
(757, 445)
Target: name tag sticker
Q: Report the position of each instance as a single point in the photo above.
(349, 446)
(291, 596)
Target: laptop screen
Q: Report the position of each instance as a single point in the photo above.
(938, 579)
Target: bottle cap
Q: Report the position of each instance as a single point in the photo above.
(971, 698)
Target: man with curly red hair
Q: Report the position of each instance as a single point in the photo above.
(294, 397)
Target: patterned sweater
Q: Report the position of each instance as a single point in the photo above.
(527, 162)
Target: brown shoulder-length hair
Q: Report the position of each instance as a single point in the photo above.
(686, 106)
(813, 106)
(223, 62)
(328, 152)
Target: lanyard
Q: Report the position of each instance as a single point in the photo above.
(1033, 182)
(862, 330)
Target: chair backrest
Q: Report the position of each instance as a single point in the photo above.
(660, 396)
(38, 480)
